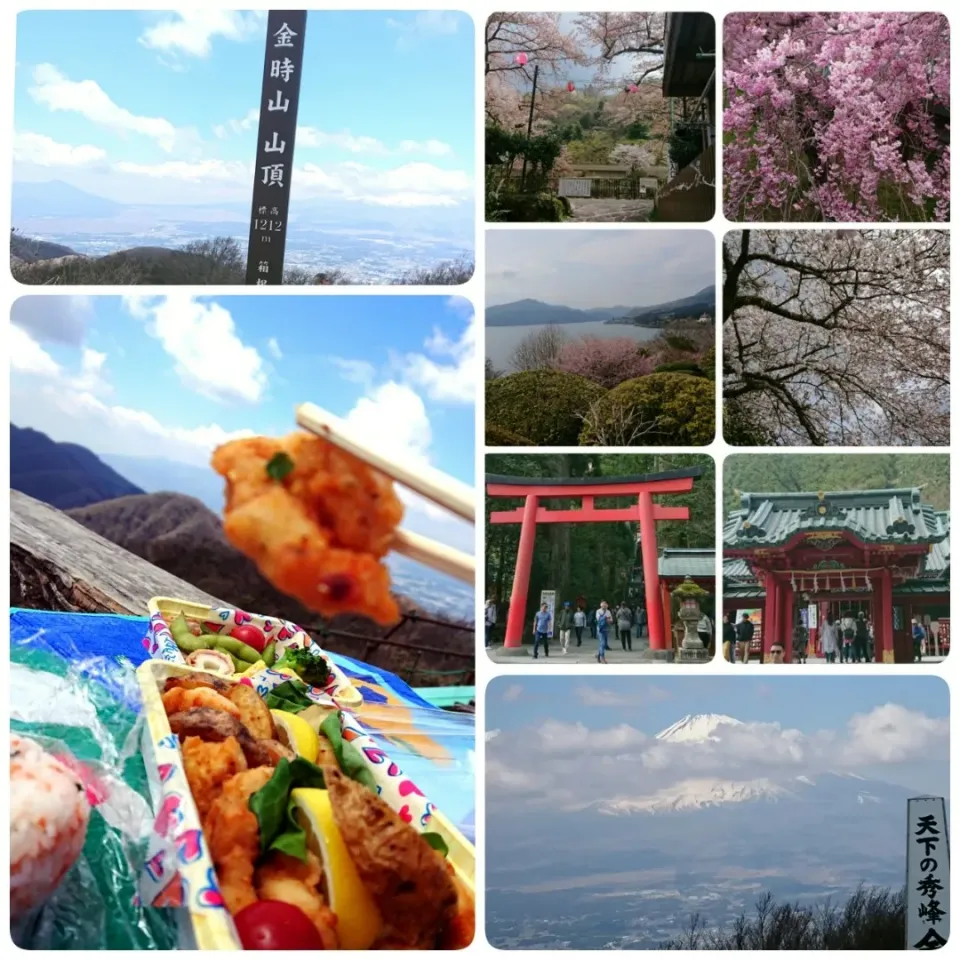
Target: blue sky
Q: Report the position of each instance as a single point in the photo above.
(601, 730)
(109, 99)
(170, 377)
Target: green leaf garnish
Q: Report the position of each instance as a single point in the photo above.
(437, 842)
(349, 758)
(274, 809)
(289, 696)
(279, 466)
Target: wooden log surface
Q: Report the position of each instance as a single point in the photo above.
(58, 564)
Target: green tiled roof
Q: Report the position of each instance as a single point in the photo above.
(696, 563)
(872, 516)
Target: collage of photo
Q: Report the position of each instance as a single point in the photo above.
(696, 505)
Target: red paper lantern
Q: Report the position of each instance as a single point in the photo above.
(571, 86)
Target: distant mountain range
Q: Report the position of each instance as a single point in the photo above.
(65, 475)
(537, 313)
(706, 845)
(184, 535)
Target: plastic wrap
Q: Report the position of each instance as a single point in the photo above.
(85, 711)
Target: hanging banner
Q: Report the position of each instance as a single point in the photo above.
(928, 874)
(549, 597)
(279, 102)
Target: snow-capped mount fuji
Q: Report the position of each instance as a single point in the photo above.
(698, 728)
(703, 731)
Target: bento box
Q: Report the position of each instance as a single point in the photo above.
(178, 870)
(222, 620)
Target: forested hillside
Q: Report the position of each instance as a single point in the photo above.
(874, 471)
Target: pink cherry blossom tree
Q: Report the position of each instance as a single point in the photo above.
(605, 361)
(839, 117)
(636, 35)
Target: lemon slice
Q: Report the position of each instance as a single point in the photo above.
(297, 734)
(358, 920)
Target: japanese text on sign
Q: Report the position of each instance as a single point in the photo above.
(276, 135)
(928, 874)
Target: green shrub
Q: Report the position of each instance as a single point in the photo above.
(545, 405)
(656, 410)
(532, 207)
(497, 436)
(681, 366)
(677, 341)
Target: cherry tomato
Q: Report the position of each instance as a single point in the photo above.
(250, 635)
(275, 925)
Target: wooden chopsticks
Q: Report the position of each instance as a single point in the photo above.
(441, 489)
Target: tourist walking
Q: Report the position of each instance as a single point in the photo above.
(801, 638)
(592, 623)
(625, 626)
(848, 630)
(489, 620)
(604, 620)
(860, 639)
(744, 638)
(828, 639)
(542, 628)
(729, 637)
(919, 635)
(641, 622)
(871, 644)
(579, 622)
(564, 625)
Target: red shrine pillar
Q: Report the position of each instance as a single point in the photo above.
(786, 623)
(667, 614)
(771, 602)
(651, 572)
(521, 575)
(886, 616)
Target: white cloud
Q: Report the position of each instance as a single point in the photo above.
(274, 349)
(435, 148)
(354, 371)
(410, 185)
(27, 356)
(448, 371)
(393, 419)
(248, 122)
(575, 764)
(86, 97)
(191, 31)
(344, 140)
(44, 151)
(209, 356)
(512, 693)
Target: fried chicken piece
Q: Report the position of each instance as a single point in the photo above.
(286, 878)
(407, 879)
(197, 681)
(233, 836)
(208, 766)
(181, 698)
(254, 712)
(320, 533)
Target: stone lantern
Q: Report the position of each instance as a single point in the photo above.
(691, 647)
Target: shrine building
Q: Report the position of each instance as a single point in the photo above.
(797, 557)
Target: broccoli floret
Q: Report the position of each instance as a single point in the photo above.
(310, 667)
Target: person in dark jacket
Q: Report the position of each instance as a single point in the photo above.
(729, 637)
(744, 637)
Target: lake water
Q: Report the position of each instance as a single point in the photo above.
(503, 341)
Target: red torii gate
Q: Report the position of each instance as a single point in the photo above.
(646, 513)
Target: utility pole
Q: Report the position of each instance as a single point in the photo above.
(533, 97)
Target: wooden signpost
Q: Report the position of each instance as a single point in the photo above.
(276, 135)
